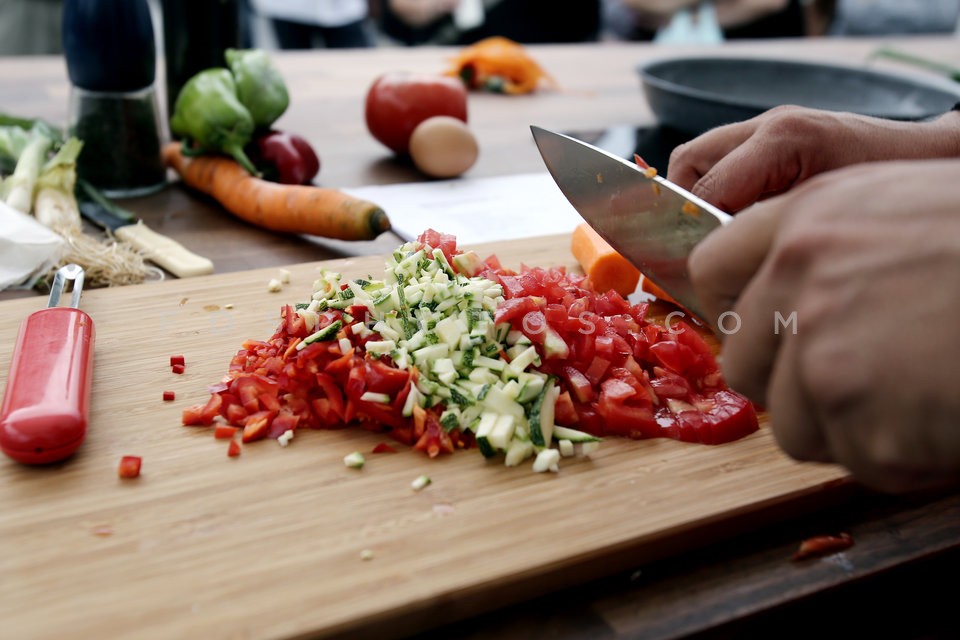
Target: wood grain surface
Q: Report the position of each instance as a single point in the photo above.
(270, 544)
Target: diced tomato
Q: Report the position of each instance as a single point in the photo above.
(445, 242)
(513, 310)
(383, 447)
(619, 363)
(564, 411)
(597, 369)
(233, 449)
(580, 386)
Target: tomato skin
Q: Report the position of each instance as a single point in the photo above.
(398, 101)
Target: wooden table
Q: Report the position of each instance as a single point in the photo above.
(745, 586)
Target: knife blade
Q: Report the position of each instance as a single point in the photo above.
(650, 221)
(158, 248)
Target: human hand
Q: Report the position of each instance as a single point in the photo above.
(739, 164)
(861, 366)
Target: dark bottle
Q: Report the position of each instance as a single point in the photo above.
(109, 44)
(111, 61)
(195, 35)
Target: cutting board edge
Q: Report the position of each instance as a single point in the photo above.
(460, 605)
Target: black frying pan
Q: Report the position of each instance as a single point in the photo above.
(697, 94)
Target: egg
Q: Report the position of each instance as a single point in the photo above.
(443, 147)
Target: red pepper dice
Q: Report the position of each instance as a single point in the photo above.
(287, 158)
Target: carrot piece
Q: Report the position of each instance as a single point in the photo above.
(605, 268)
(647, 286)
(286, 208)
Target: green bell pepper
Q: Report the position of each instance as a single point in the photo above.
(260, 87)
(207, 112)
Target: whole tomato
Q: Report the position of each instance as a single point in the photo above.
(398, 101)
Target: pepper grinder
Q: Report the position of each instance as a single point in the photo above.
(111, 61)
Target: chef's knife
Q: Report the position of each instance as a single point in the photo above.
(163, 251)
(652, 222)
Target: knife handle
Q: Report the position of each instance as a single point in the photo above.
(43, 418)
(164, 251)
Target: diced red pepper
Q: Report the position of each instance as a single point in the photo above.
(169, 395)
(177, 360)
(224, 432)
(129, 467)
(383, 447)
(233, 449)
(178, 368)
(822, 546)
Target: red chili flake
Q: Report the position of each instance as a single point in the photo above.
(129, 467)
(822, 546)
(177, 368)
(383, 447)
(640, 161)
(234, 449)
(224, 432)
(169, 395)
(177, 359)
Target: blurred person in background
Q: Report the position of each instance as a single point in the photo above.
(884, 17)
(305, 24)
(30, 27)
(460, 22)
(646, 20)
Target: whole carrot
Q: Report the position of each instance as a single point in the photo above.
(318, 211)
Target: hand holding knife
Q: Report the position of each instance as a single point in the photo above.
(652, 222)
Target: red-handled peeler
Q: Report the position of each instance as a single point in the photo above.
(44, 414)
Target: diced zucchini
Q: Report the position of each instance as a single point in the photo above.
(573, 435)
(517, 452)
(499, 402)
(541, 416)
(487, 421)
(502, 432)
(373, 396)
(547, 460)
(327, 333)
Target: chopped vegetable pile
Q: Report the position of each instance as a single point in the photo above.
(448, 351)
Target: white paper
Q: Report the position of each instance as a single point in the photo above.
(476, 210)
(27, 248)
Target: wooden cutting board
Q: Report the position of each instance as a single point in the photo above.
(272, 544)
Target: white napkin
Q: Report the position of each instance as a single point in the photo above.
(27, 248)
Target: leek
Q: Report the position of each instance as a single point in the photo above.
(56, 205)
(19, 187)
